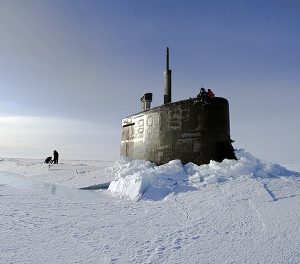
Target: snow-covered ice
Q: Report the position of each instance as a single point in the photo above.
(143, 179)
(244, 211)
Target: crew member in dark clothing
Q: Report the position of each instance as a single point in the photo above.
(202, 95)
(48, 160)
(55, 157)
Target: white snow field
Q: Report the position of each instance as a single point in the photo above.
(244, 211)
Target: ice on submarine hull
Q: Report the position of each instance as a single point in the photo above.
(191, 130)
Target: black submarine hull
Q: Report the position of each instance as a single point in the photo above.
(189, 130)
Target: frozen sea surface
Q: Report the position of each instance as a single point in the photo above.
(244, 211)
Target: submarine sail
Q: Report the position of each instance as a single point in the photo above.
(192, 130)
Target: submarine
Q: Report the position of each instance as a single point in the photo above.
(191, 130)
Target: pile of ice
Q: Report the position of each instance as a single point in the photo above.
(136, 179)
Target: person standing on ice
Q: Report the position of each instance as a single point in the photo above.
(55, 157)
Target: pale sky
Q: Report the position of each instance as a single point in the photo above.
(71, 70)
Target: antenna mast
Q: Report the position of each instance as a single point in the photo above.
(167, 77)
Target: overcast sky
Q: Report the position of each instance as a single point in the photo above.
(71, 70)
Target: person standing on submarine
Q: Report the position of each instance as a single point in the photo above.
(210, 94)
(202, 95)
(55, 157)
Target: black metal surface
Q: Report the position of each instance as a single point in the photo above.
(189, 130)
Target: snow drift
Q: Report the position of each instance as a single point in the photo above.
(138, 179)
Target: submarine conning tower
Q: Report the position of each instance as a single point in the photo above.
(192, 130)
